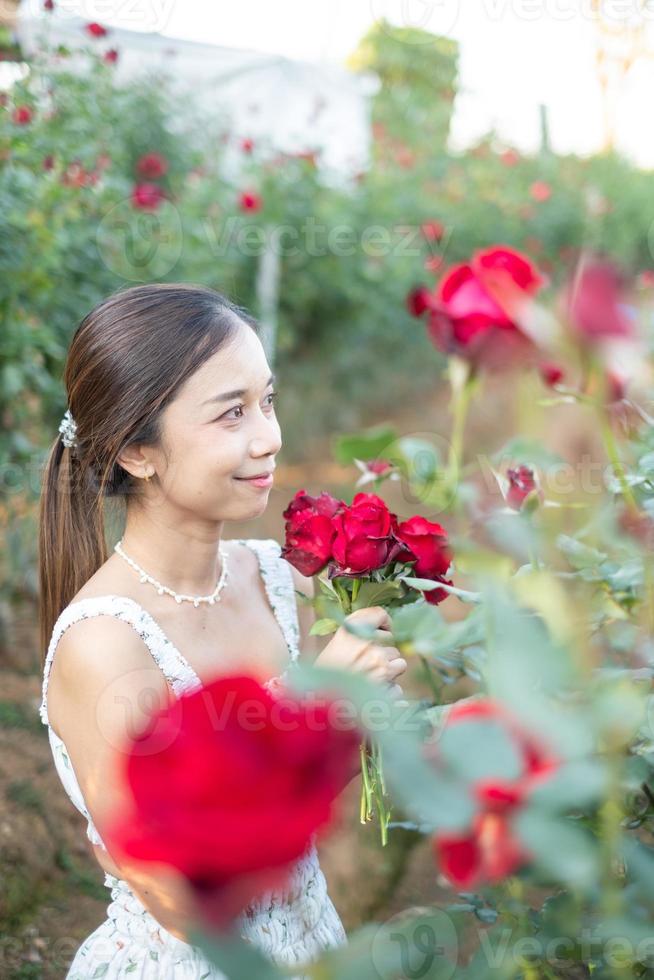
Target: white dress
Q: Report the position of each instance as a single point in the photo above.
(290, 926)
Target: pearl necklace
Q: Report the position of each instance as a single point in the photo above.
(195, 599)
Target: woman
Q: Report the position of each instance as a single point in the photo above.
(172, 414)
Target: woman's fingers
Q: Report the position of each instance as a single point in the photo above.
(396, 667)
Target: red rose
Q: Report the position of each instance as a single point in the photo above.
(510, 158)
(551, 373)
(476, 308)
(433, 230)
(230, 798)
(249, 201)
(75, 175)
(96, 30)
(363, 539)
(418, 300)
(427, 543)
(247, 145)
(522, 484)
(596, 302)
(111, 56)
(151, 166)
(489, 850)
(22, 115)
(540, 191)
(48, 162)
(147, 197)
(310, 531)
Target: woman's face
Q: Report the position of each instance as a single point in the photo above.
(220, 429)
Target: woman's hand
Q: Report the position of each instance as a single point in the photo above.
(376, 660)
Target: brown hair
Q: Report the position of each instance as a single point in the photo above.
(126, 361)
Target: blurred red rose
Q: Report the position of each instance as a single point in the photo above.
(433, 263)
(151, 166)
(310, 531)
(475, 311)
(247, 145)
(433, 230)
(540, 191)
(418, 300)
(22, 115)
(249, 201)
(522, 484)
(489, 849)
(551, 373)
(229, 803)
(96, 30)
(596, 299)
(510, 158)
(75, 175)
(111, 56)
(147, 197)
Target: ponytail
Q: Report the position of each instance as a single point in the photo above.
(72, 543)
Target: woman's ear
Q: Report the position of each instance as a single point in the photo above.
(136, 462)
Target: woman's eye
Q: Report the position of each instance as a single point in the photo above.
(239, 408)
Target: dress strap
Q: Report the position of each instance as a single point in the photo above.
(280, 588)
(175, 669)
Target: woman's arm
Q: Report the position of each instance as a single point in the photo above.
(105, 685)
(312, 646)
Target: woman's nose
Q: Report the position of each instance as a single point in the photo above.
(268, 439)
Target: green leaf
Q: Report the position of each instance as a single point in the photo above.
(561, 850)
(531, 452)
(377, 594)
(235, 956)
(327, 587)
(580, 555)
(424, 584)
(369, 444)
(480, 749)
(322, 627)
(577, 783)
(417, 943)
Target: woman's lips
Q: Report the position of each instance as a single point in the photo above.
(260, 481)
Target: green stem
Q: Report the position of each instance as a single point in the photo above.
(613, 453)
(366, 791)
(435, 690)
(356, 585)
(460, 403)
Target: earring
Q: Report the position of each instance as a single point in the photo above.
(147, 477)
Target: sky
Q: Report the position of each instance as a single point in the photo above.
(514, 55)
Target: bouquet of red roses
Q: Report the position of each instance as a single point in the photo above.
(370, 559)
